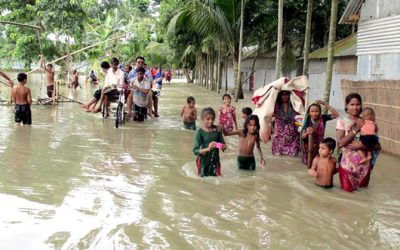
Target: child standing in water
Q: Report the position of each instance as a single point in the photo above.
(248, 138)
(314, 124)
(22, 98)
(207, 143)
(189, 114)
(368, 135)
(227, 115)
(324, 166)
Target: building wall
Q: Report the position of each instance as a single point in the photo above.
(317, 77)
(378, 41)
(374, 9)
(264, 72)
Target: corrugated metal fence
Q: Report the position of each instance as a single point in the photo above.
(384, 98)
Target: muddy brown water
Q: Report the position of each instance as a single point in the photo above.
(73, 181)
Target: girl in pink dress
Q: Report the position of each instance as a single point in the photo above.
(227, 115)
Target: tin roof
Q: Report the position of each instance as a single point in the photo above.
(352, 13)
(344, 47)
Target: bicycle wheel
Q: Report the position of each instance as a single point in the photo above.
(118, 115)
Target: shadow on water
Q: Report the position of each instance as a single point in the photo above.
(73, 181)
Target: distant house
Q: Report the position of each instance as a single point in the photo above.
(264, 68)
(345, 66)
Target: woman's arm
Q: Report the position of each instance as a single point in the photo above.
(334, 113)
(344, 140)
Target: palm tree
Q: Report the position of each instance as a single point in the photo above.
(238, 84)
(307, 39)
(278, 70)
(331, 45)
(212, 17)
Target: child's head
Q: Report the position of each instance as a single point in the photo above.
(283, 97)
(327, 147)
(246, 112)
(105, 66)
(74, 72)
(314, 111)
(368, 114)
(208, 117)
(140, 73)
(227, 99)
(191, 101)
(50, 66)
(251, 125)
(22, 78)
(114, 63)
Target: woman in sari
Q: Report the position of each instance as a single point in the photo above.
(286, 137)
(352, 173)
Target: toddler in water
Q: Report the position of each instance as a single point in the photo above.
(248, 138)
(368, 135)
(189, 114)
(324, 166)
(227, 115)
(207, 142)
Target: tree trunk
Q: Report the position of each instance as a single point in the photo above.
(238, 84)
(331, 46)
(278, 68)
(186, 72)
(307, 39)
(219, 82)
(226, 73)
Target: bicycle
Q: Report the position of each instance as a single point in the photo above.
(120, 111)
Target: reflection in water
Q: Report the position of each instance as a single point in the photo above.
(73, 181)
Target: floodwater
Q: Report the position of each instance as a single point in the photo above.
(73, 181)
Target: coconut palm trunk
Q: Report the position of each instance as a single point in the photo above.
(307, 39)
(331, 45)
(238, 84)
(278, 67)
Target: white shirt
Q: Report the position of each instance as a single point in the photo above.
(114, 78)
(139, 98)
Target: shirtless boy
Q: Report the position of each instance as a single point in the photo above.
(75, 79)
(189, 114)
(249, 137)
(50, 77)
(22, 98)
(324, 166)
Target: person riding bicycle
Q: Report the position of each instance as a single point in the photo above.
(115, 79)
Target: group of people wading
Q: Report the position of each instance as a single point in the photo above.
(140, 86)
(356, 139)
(356, 132)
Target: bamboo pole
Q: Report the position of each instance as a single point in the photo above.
(75, 52)
(310, 150)
(21, 24)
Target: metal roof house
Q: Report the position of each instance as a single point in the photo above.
(378, 37)
(378, 66)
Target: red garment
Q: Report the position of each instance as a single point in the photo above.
(347, 180)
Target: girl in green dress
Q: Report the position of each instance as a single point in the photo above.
(207, 142)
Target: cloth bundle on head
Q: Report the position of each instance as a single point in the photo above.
(265, 98)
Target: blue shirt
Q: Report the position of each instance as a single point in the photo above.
(133, 73)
